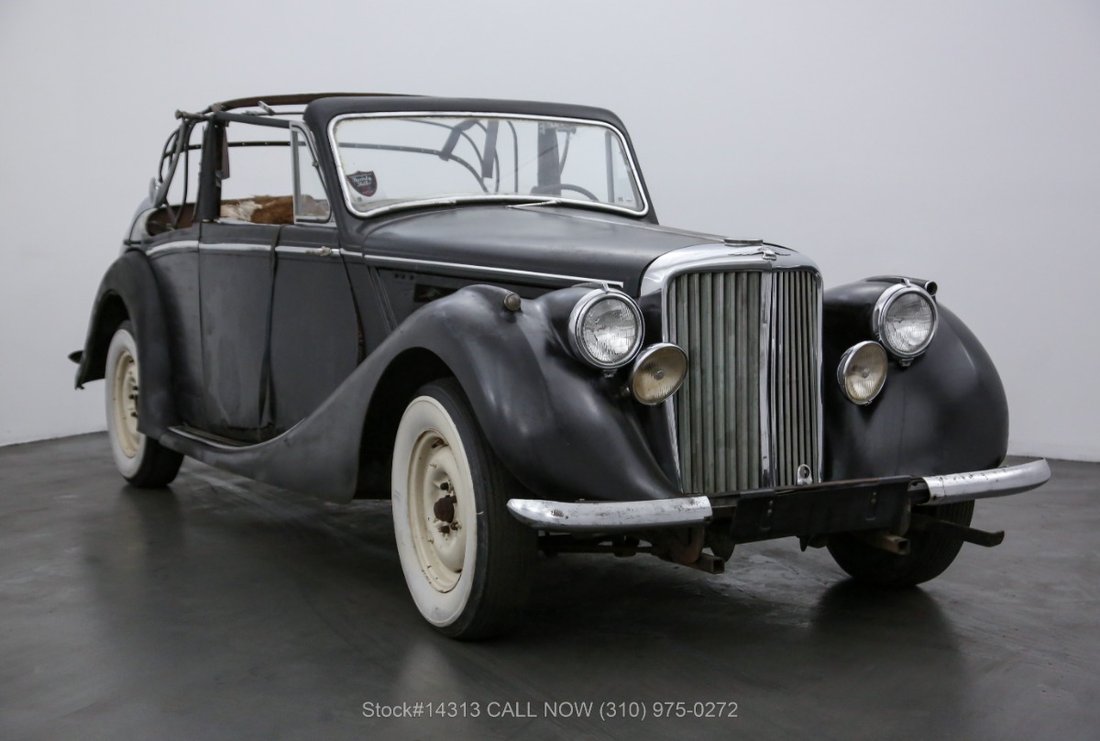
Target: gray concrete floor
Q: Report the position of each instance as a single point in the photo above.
(222, 608)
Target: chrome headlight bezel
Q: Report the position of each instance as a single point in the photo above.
(576, 322)
(881, 312)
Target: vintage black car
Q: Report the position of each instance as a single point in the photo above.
(470, 308)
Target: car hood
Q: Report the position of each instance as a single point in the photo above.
(558, 241)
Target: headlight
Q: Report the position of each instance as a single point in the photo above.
(904, 319)
(862, 372)
(605, 329)
(658, 373)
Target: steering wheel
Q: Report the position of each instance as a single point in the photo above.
(549, 189)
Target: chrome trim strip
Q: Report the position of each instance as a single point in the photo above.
(767, 351)
(569, 279)
(234, 247)
(994, 482)
(216, 444)
(311, 251)
(187, 244)
(634, 173)
(820, 378)
(299, 128)
(718, 257)
(582, 517)
(241, 247)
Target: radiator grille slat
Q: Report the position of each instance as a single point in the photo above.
(718, 317)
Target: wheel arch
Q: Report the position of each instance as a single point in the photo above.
(129, 291)
(396, 387)
(109, 313)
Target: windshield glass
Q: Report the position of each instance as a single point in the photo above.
(390, 162)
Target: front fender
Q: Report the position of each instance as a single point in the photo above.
(564, 429)
(945, 413)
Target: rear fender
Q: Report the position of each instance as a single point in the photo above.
(129, 291)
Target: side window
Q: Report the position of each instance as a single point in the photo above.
(310, 201)
(256, 182)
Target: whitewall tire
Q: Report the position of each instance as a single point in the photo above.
(466, 560)
(141, 461)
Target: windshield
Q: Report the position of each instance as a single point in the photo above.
(393, 161)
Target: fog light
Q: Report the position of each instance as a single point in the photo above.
(862, 372)
(658, 373)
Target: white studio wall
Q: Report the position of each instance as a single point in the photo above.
(950, 140)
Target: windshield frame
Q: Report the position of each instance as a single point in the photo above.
(514, 198)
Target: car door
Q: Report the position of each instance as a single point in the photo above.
(315, 338)
(279, 324)
(237, 262)
(236, 268)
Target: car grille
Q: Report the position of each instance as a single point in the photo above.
(749, 412)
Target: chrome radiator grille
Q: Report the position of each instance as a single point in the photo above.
(748, 414)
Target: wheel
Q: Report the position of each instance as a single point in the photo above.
(929, 553)
(141, 461)
(467, 561)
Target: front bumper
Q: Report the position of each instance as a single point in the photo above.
(833, 507)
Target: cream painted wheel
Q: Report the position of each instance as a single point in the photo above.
(465, 559)
(435, 516)
(143, 462)
(125, 393)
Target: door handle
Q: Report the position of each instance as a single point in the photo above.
(322, 251)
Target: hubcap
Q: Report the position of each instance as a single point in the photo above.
(126, 404)
(436, 518)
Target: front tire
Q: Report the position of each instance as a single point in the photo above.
(930, 553)
(467, 562)
(141, 461)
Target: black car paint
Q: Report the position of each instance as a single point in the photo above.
(555, 431)
(421, 292)
(129, 291)
(555, 241)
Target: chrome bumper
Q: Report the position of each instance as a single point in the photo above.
(996, 482)
(601, 516)
(587, 517)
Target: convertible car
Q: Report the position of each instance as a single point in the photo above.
(469, 307)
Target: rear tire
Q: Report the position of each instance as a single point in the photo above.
(929, 553)
(467, 562)
(141, 461)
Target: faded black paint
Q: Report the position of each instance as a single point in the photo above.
(947, 412)
(565, 430)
